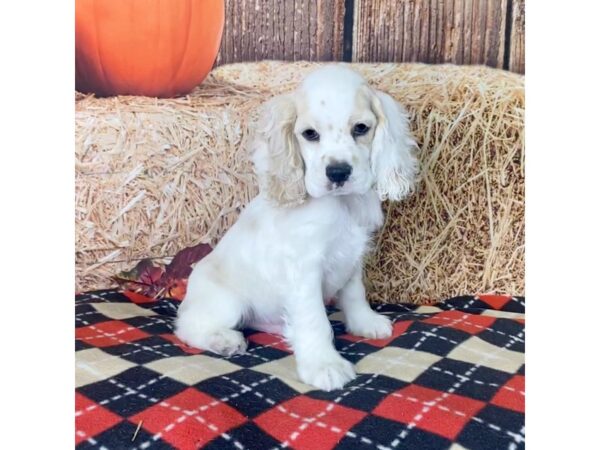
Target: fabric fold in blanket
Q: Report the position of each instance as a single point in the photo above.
(451, 376)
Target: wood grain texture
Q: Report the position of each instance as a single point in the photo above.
(289, 30)
(517, 37)
(431, 31)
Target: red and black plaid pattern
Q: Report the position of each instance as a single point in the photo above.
(451, 376)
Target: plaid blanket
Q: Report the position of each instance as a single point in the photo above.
(451, 376)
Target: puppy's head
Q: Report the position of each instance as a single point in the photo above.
(334, 135)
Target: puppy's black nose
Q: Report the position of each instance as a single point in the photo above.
(338, 172)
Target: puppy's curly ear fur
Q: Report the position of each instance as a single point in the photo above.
(393, 159)
(276, 153)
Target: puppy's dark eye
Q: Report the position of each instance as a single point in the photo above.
(360, 129)
(310, 135)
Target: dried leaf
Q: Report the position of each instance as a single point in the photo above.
(174, 280)
(178, 289)
(144, 278)
(156, 282)
(135, 274)
(183, 262)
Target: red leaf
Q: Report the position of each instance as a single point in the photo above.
(158, 282)
(178, 289)
(174, 281)
(143, 278)
(181, 265)
(136, 297)
(152, 275)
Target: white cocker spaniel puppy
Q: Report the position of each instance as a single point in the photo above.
(326, 156)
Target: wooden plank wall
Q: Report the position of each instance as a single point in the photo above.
(487, 32)
(516, 52)
(288, 30)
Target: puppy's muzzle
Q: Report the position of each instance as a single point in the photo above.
(338, 172)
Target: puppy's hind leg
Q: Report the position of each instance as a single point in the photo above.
(207, 317)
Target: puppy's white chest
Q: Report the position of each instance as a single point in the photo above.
(343, 256)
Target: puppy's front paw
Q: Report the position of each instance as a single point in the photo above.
(227, 342)
(224, 341)
(327, 374)
(371, 326)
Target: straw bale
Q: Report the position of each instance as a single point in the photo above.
(154, 176)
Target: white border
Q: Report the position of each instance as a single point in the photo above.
(562, 178)
(563, 174)
(37, 227)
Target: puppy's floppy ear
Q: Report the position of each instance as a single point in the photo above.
(276, 153)
(392, 157)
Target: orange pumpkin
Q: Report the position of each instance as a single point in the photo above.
(145, 47)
